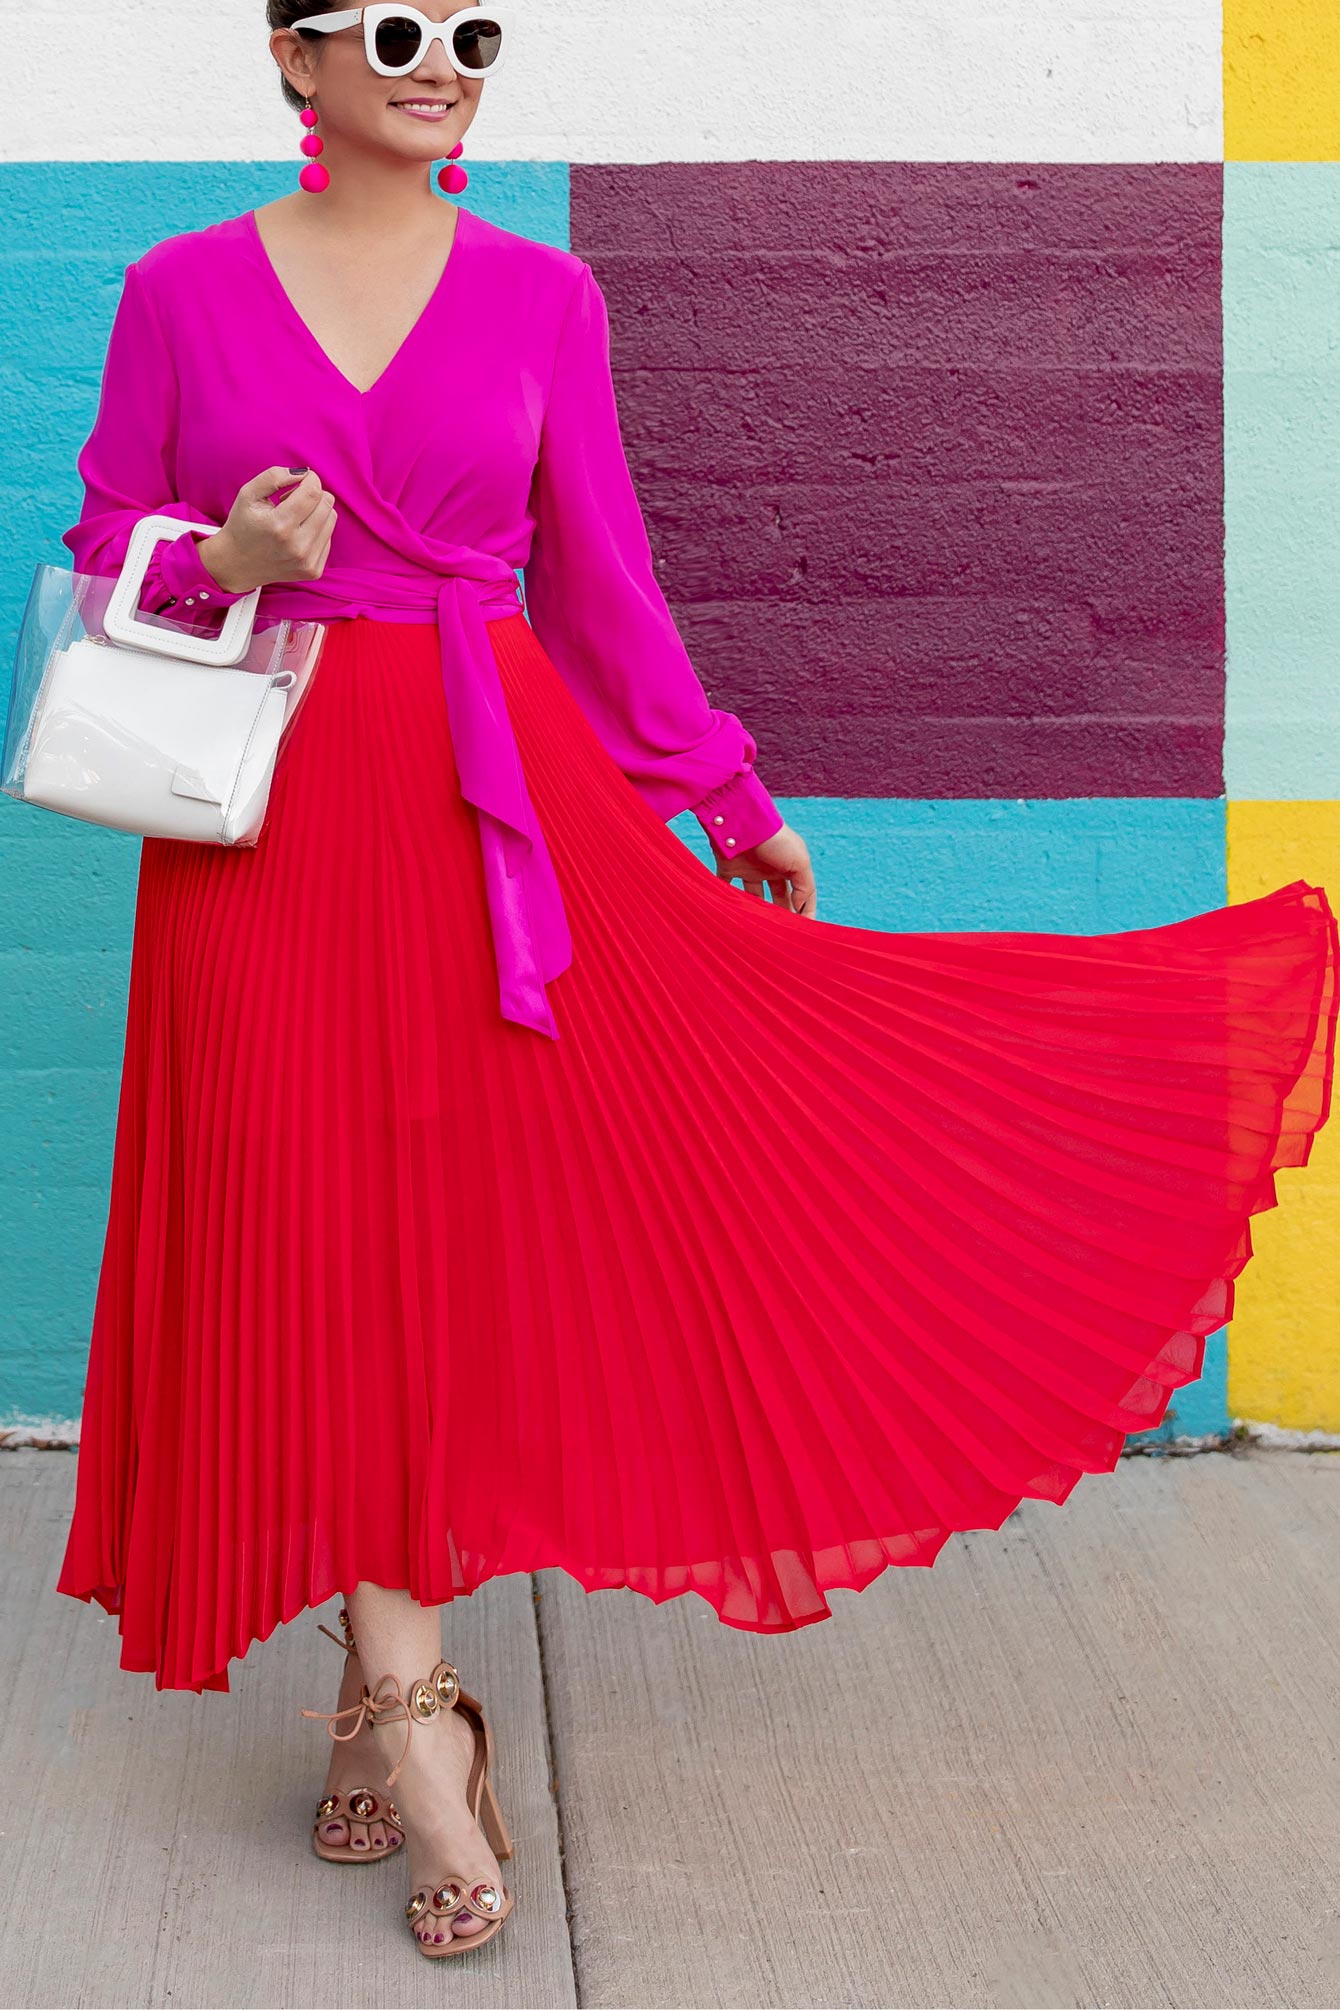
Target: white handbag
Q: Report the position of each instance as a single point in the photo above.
(134, 722)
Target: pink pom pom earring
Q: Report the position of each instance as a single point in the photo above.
(451, 178)
(313, 177)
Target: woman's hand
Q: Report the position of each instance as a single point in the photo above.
(783, 862)
(263, 542)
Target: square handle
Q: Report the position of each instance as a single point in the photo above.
(124, 622)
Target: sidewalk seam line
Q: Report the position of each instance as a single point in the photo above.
(551, 1762)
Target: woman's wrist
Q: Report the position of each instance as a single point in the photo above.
(186, 577)
(219, 561)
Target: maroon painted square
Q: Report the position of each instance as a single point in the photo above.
(931, 456)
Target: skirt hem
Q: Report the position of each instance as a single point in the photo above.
(929, 1545)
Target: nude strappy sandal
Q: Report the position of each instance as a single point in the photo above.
(431, 1908)
(354, 1803)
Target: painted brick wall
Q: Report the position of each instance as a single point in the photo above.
(978, 374)
(935, 454)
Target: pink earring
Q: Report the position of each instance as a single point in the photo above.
(453, 179)
(313, 177)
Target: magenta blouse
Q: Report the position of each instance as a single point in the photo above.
(490, 442)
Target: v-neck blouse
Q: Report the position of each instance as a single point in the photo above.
(287, 307)
(489, 443)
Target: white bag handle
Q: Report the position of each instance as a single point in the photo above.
(123, 621)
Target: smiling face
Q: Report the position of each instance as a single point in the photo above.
(419, 116)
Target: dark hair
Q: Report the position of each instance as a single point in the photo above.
(282, 14)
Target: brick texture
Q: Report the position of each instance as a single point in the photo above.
(931, 456)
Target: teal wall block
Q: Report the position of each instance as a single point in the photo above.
(1281, 269)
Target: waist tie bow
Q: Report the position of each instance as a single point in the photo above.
(531, 938)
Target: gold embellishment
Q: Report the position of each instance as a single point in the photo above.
(447, 1683)
(423, 1700)
(416, 1905)
(391, 1813)
(328, 1804)
(363, 1805)
(487, 1897)
(447, 1897)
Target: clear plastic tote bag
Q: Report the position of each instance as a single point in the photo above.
(138, 722)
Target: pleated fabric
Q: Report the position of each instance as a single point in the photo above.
(804, 1245)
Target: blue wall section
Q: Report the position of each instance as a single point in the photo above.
(67, 890)
(1086, 865)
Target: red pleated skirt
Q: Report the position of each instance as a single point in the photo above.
(803, 1246)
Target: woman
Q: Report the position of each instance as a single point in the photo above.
(494, 1188)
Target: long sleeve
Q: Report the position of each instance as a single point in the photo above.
(598, 609)
(127, 466)
(175, 577)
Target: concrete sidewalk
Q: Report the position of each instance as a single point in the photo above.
(1092, 1759)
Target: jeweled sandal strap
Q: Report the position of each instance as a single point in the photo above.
(425, 1699)
(363, 1806)
(455, 1894)
(439, 1692)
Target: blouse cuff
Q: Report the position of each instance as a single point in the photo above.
(183, 574)
(738, 814)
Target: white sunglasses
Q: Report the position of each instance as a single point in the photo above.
(397, 38)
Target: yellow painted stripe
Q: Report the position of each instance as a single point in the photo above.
(1284, 1337)
(1281, 80)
